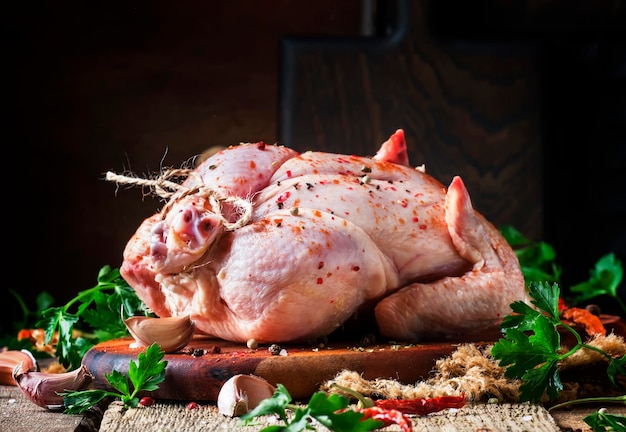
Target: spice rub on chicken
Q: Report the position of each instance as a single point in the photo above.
(270, 244)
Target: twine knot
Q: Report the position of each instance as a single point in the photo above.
(164, 187)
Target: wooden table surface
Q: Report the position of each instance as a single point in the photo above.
(17, 414)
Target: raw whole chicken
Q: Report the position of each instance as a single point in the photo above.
(265, 243)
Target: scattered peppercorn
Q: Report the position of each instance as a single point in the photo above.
(252, 344)
(274, 349)
(294, 211)
(322, 341)
(192, 405)
(214, 349)
(594, 309)
(198, 352)
(146, 401)
(367, 340)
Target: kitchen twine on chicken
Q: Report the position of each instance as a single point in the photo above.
(173, 192)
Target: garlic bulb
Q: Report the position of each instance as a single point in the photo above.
(242, 393)
(10, 359)
(171, 333)
(43, 388)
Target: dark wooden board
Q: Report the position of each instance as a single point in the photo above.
(302, 370)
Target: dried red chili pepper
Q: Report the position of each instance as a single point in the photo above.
(422, 406)
(591, 323)
(387, 417)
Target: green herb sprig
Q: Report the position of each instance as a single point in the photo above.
(145, 375)
(101, 309)
(537, 259)
(328, 410)
(530, 347)
(538, 264)
(8, 335)
(604, 279)
(602, 420)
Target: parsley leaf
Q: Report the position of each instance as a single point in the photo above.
(529, 348)
(537, 259)
(328, 410)
(605, 279)
(145, 375)
(601, 421)
(103, 308)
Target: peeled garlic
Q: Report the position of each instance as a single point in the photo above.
(10, 359)
(42, 388)
(242, 393)
(171, 333)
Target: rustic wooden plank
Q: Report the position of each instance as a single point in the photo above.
(18, 414)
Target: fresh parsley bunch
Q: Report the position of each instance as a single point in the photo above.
(531, 343)
(101, 309)
(145, 375)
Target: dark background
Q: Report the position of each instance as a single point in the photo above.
(140, 85)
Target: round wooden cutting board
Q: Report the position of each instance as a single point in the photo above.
(300, 368)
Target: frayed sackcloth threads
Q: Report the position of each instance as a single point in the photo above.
(472, 370)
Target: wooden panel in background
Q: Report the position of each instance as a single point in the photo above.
(467, 108)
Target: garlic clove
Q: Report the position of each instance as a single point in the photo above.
(10, 359)
(242, 393)
(43, 388)
(171, 333)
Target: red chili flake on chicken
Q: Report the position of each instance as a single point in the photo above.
(320, 281)
(284, 197)
(260, 145)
